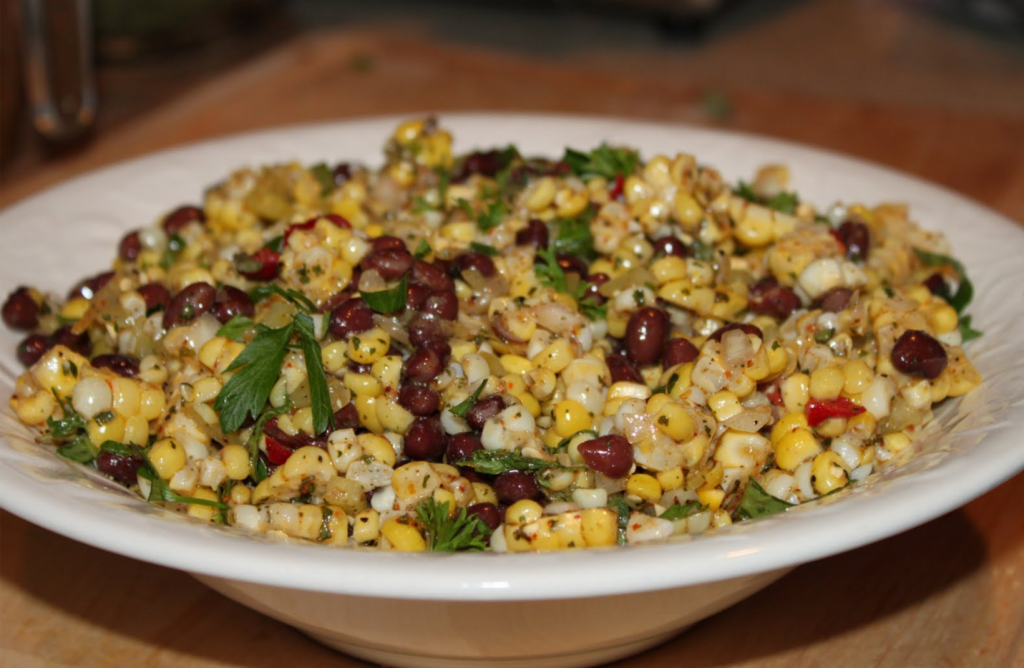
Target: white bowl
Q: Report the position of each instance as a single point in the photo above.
(555, 609)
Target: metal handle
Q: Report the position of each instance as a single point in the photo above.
(59, 76)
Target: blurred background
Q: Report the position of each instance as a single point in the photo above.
(74, 70)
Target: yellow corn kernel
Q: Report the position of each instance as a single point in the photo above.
(570, 417)
(409, 131)
(523, 512)
(711, 497)
(724, 405)
(897, 441)
(109, 430)
(240, 495)
(236, 460)
(698, 299)
(403, 537)
(152, 403)
(125, 396)
(831, 427)
(556, 356)
(335, 356)
(857, 376)
(35, 409)
(388, 370)
(442, 496)
(796, 392)
(366, 527)
(673, 478)
(755, 229)
(136, 430)
(75, 309)
(827, 472)
(667, 269)
(369, 346)
(600, 527)
(366, 407)
(529, 402)
(862, 425)
(403, 173)
(206, 389)
(720, 519)
(943, 318)
(414, 479)
(657, 402)
(201, 511)
(152, 370)
(484, 493)
(625, 389)
(542, 195)
(683, 379)
(515, 364)
(795, 448)
(826, 383)
(57, 370)
(688, 211)
(644, 486)
(167, 457)
(778, 358)
(393, 416)
(363, 384)
(675, 422)
(378, 447)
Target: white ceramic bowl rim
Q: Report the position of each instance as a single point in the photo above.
(973, 446)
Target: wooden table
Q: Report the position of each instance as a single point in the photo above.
(948, 593)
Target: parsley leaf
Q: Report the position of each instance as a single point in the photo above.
(259, 469)
(234, 328)
(496, 462)
(623, 510)
(490, 215)
(389, 300)
(549, 272)
(678, 511)
(319, 395)
(257, 369)
(445, 533)
(159, 490)
(967, 333)
(965, 291)
(175, 244)
(783, 202)
(573, 237)
(462, 408)
(757, 502)
(80, 450)
(603, 161)
(489, 251)
(301, 301)
(324, 176)
(72, 423)
(423, 249)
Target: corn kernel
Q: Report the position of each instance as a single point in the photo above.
(199, 511)
(644, 486)
(515, 364)
(667, 269)
(600, 527)
(363, 384)
(541, 196)
(657, 402)
(711, 497)
(857, 376)
(152, 403)
(75, 309)
(675, 422)
(236, 461)
(556, 356)
(335, 356)
(896, 441)
(796, 392)
(826, 383)
(688, 211)
(35, 409)
(136, 430)
(366, 527)
(388, 370)
(943, 318)
(369, 346)
(529, 402)
(484, 493)
(795, 448)
(167, 457)
(111, 429)
(378, 447)
(827, 472)
(393, 416)
(724, 405)
(673, 478)
(570, 417)
(366, 407)
(403, 537)
(522, 512)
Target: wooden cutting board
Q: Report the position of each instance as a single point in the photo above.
(947, 593)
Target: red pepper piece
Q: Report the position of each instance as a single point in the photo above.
(308, 225)
(267, 260)
(819, 411)
(277, 452)
(617, 188)
(839, 240)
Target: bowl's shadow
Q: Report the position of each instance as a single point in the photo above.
(126, 603)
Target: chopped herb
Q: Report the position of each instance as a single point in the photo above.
(965, 291)
(325, 176)
(159, 490)
(702, 251)
(824, 335)
(622, 509)
(389, 300)
(489, 251)
(301, 301)
(104, 417)
(119, 449)
(421, 205)
(603, 161)
(423, 249)
(783, 202)
(175, 244)
(325, 525)
(257, 369)
(638, 297)
(574, 236)
(462, 408)
(496, 462)
(757, 502)
(72, 423)
(319, 395)
(80, 450)
(678, 511)
(461, 533)
(967, 333)
(234, 328)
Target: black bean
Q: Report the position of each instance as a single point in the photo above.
(534, 234)
(181, 217)
(342, 173)
(419, 399)
(937, 285)
(156, 296)
(748, 329)
(231, 301)
(476, 261)
(346, 417)
(122, 365)
(611, 455)
(857, 239)
(21, 311)
(293, 441)
(387, 243)
(767, 297)
(80, 343)
(351, 317)
(573, 264)
(916, 353)
(432, 276)
(835, 300)
(645, 335)
(484, 409)
(486, 163)
(119, 467)
(391, 264)
(593, 291)
(426, 362)
(32, 348)
(487, 512)
(679, 351)
(670, 246)
(516, 486)
(425, 439)
(416, 295)
(462, 447)
(130, 247)
(193, 301)
(90, 286)
(426, 329)
(443, 305)
(621, 370)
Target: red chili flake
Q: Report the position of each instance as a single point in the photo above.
(819, 411)
(267, 260)
(839, 240)
(617, 189)
(308, 225)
